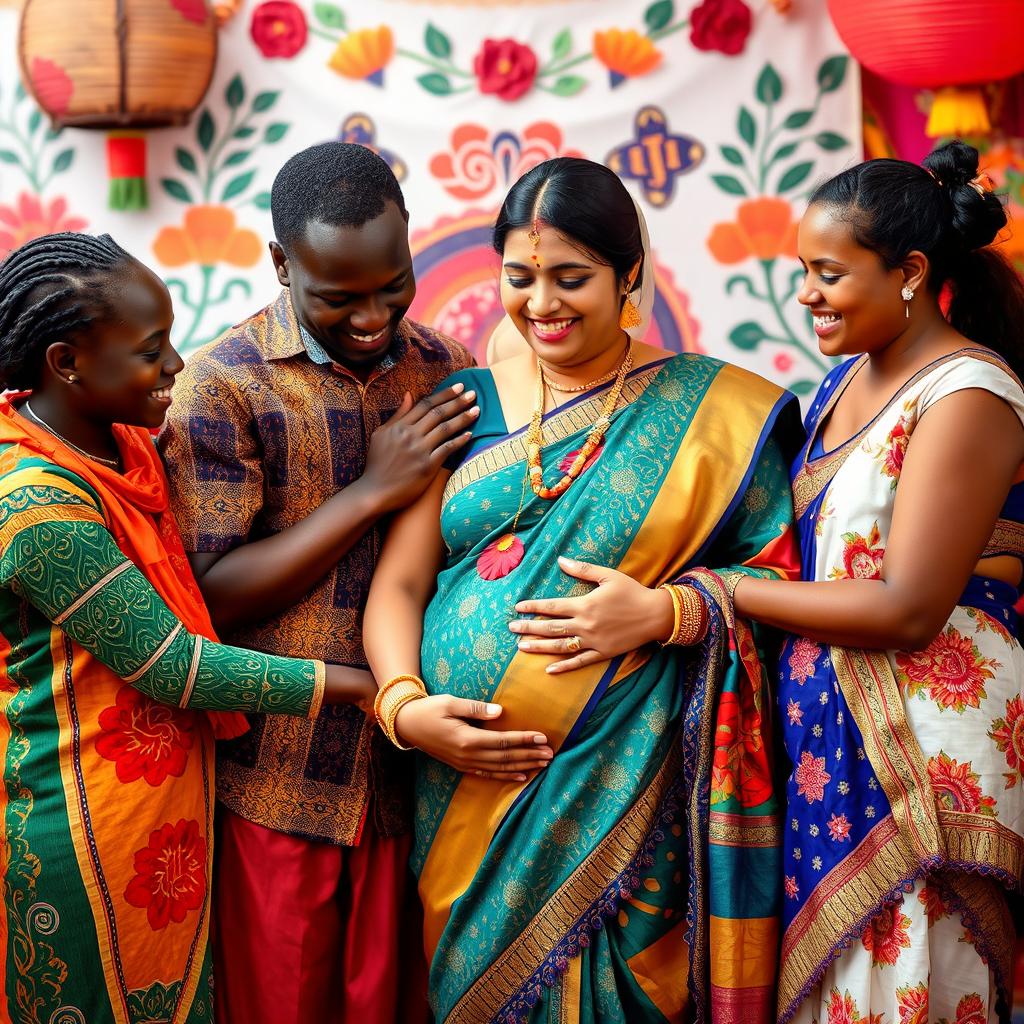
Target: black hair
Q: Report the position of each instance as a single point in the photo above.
(584, 202)
(52, 288)
(895, 207)
(339, 183)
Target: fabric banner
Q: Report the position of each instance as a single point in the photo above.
(720, 117)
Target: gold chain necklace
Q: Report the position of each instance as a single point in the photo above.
(582, 387)
(60, 437)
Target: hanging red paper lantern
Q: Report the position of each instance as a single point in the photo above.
(951, 46)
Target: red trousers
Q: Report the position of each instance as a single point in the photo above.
(311, 933)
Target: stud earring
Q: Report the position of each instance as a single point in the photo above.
(72, 377)
(907, 294)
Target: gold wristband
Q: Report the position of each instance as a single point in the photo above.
(691, 619)
(391, 698)
(677, 611)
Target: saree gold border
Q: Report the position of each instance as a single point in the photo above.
(692, 484)
(814, 477)
(572, 983)
(556, 428)
(81, 846)
(40, 476)
(980, 839)
(737, 830)
(574, 897)
(985, 899)
(1007, 536)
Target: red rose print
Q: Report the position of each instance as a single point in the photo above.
(721, 25)
(170, 874)
(971, 1010)
(956, 786)
(886, 935)
(1008, 733)
(278, 28)
(505, 68)
(146, 740)
(803, 659)
(811, 777)
(841, 1008)
(862, 556)
(500, 557)
(912, 1003)
(951, 670)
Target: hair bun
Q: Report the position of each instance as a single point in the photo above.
(977, 216)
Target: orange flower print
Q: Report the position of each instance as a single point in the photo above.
(893, 449)
(912, 1003)
(956, 786)
(625, 54)
(739, 766)
(862, 557)
(208, 236)
(839, 828)
(500, 557)
(30, 217)
(363, 55)
(794, 712)
(1008, 733)
(934, 905)
(971, 1010)
(170, 874)
(886, 936)
(803, 659)
(841, 1008)
(764, 229)
(811, 777)
(950, 669)
(792, 887)
(145, 740)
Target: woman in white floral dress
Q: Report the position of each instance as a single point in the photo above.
(901, 682)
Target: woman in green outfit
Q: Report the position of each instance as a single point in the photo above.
(112, 684)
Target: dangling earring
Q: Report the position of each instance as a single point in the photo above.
(907, 294)
(630, 315)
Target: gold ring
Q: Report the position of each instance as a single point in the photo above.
(574, 643)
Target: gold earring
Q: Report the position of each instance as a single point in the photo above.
(630, 315)
(72, 377)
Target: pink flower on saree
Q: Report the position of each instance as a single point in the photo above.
(811, 777)
(144, 739)
(956, 786)
(971, 1010)
(803, 659)
(950, 669)
(792, 888)
(170, 874)
(862, 556)
(912, 1003)
(886, 936)
(500, 557)
(934, 905)
(1008, 733)
(839, 828)
(842, 1009)
(795, 713)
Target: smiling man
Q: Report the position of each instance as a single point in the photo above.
(289, 439)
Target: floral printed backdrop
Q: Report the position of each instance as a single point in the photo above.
(720, 115)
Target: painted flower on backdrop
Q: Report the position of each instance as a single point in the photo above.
(192, 10)
(505, 68)
(208, 236)
(364, 54)
(170, 874)
(626, 54)
(278, 28)
(764, 229)
(721, 25)
(360, 129)
(30, 217)
(1008, 734)
(52, 84)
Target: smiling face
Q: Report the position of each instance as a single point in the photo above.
(567, 307)
(125, 362)
(854, 298)
(350, 286)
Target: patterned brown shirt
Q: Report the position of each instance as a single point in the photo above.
(258, 437)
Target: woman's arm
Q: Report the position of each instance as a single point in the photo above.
(964, 455)
(403, 583)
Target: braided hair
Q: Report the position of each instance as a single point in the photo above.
(49, 293)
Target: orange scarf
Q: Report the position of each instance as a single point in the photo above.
(135, 506)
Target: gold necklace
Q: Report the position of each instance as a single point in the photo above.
(60, 437)
(575, 390)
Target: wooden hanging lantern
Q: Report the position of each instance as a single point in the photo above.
(118, 64)
(952, 46)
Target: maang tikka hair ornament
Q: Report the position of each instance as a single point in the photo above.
(534, 237)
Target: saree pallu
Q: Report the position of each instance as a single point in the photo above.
(636, 877)
(905, 806)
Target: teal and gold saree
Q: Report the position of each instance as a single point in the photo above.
(637, 877)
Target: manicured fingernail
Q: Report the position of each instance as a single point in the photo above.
(469, 396)
(525, 645)
(540, 738)
(458, 388)
(475, 411)
(553, 669)
(516, 627)
(494, 709)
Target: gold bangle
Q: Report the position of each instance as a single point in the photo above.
(390, 699)
(691, 622)
(677, 611)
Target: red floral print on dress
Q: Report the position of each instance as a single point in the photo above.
(839, 828)
(950, 669)
(500, 557)
(1008, 733)
(566, 464)
(803, 659)
(893, 449)
(971, 1010)
(934, 905)
(841, 1008)
(170, 874)
(886, 936)
(811, 777)
(792, 888)
(739, 766)
(956, 786)
(145, 740)
(862, 556)
(795, 713)
(912, 1003)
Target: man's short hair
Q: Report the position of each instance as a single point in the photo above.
(338, 183)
